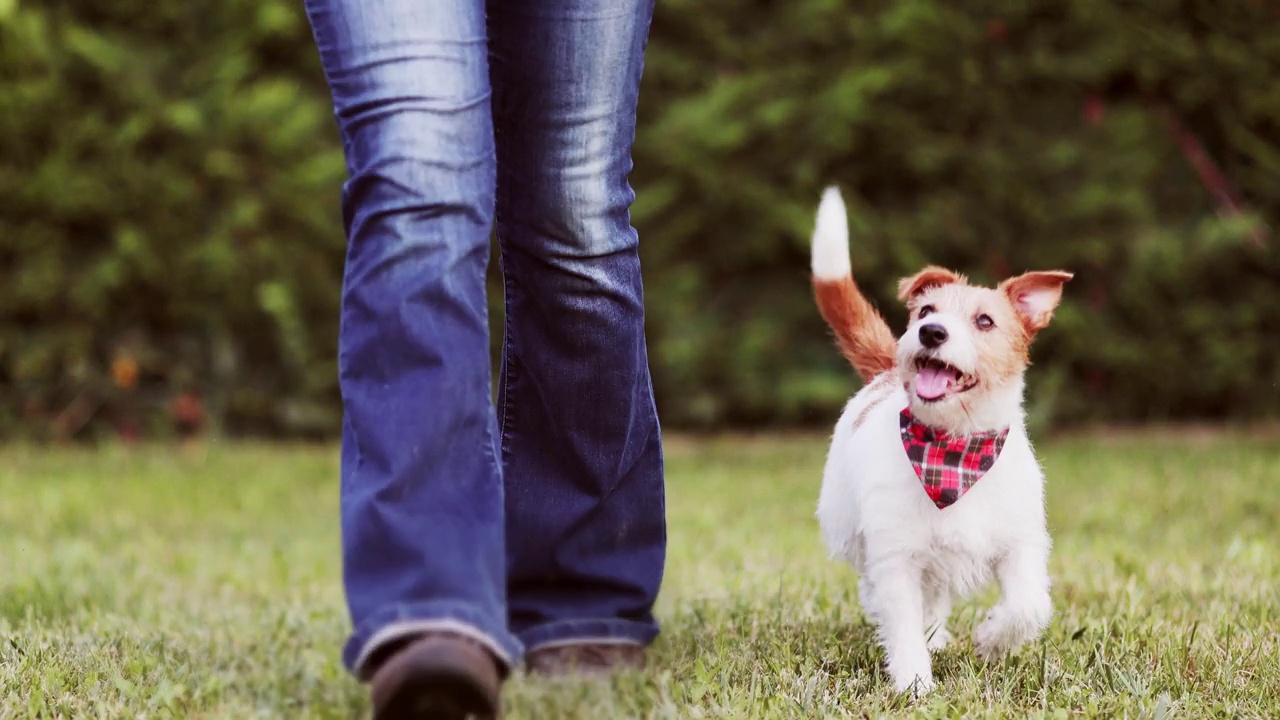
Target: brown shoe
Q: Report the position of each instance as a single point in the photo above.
(438, 676)
(585, 659)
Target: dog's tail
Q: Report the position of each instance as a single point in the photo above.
(861, 333)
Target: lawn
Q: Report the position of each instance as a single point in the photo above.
(158, 583)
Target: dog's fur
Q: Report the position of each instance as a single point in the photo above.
(913, 558)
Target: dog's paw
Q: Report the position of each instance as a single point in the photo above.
(1007, 628)
(999, 635)
(916, 685)
(939, 638)
(991, 641)
(915, 677)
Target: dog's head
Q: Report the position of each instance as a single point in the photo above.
(963, 355)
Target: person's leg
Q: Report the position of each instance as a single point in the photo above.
(422, 507)
(586, 533)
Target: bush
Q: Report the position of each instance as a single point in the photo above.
(172, 243)
(992, 140)
(170, 173)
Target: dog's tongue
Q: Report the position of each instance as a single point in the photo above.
(933, 382)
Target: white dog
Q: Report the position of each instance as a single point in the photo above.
(931, 488)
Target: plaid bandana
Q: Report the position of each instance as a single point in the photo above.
(948, 466)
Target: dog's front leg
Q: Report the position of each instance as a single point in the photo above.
(1025, 606)
(894, 589)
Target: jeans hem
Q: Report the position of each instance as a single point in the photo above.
(601, 632)
(407, 620)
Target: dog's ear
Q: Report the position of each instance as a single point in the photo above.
(930, 277)
(1035, 295)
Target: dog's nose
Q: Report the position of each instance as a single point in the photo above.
(932, 335)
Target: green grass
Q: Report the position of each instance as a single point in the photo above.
(155, 583)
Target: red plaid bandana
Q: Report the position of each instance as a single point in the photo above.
(948, 466)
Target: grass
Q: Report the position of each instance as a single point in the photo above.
(153, 583)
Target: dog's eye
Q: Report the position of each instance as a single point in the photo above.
(984, 322)
(925, 310)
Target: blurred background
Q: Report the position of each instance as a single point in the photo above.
(171, 242)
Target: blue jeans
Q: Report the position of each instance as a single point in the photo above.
(541, 522)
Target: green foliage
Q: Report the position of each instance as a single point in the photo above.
(171, 227)
(993, 139)
(170, 175)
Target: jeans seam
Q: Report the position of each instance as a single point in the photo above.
(508, 356)
(494, 462)
(343, 367)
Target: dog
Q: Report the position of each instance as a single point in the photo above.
(931, 488)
